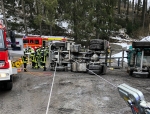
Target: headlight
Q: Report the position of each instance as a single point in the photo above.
(3, 75)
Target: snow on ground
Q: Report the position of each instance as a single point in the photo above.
(121, 39)
(126, 46)
(146, 38)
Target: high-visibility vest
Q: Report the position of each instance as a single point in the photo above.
(24, 59)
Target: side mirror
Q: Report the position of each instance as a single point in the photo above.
(12, 37)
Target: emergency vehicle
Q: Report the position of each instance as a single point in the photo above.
(9, 42)
(6, 69)
(38, 41)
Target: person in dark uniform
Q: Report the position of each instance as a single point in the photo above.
(25, 60)
(36, 58)
(43, 55)
(13, 40)
(32, 57)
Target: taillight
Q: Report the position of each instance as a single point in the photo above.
(2, 64)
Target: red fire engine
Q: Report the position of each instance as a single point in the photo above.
(38, 41)
(6, 70)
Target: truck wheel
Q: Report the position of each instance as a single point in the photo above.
(131, 72)
(96, 47)
(8, 85)
(96, 41)
(95, 67)
(104, 68)
(95, 71)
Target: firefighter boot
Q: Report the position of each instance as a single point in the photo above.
(25, 70)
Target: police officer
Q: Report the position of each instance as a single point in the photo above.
(43, 54)
(25, 60)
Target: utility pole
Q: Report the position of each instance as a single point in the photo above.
(3, 10)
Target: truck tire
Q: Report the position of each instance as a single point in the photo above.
(96, 41)
(104, 68)
(131, 72)
(8, 85)
(96, 47)
(94, 67)
(95, 71)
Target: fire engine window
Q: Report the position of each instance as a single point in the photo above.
(25, 41)
(36, 41)
(31, 41)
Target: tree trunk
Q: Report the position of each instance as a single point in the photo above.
(98, 22)
(119, 5)
(24, 16)
(145, 6)
(138, 6)
(3, 10)
(128, 8)
(125, 3)
(132, 5)
(132, 12)
(143, 13)
(40, 28)
(50, 27)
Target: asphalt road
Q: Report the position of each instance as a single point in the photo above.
(73, 93)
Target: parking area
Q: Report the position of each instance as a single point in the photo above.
(73, 93)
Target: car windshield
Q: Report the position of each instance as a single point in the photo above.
(2, 45)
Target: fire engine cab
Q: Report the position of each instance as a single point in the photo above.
(6, 70)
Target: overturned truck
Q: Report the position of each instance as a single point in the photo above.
(68, 56)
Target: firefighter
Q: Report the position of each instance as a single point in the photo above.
(29, 50)
(25, 60)
(26, 51)
(47, 51)
(36, 58)
(43, 54)
(32, 57)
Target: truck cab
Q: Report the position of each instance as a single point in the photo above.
(138, 57)
(6, 70)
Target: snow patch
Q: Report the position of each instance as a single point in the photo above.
(146, 38)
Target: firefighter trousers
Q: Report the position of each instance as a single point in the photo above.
(25, 67)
